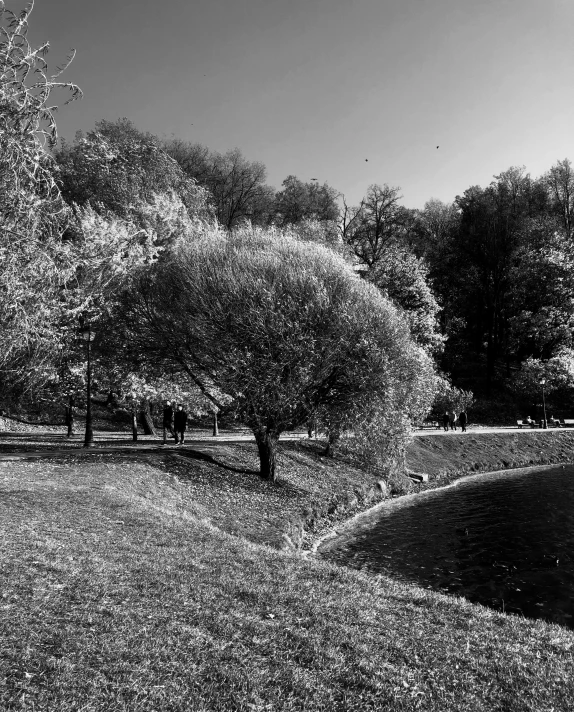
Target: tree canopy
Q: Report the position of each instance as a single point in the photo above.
(236, 185)
(279, 325)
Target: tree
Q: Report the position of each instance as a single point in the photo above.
(450, 398)
(542, 297)
(558, 374)
(300, 201)
(493, 222)
(432, 232)
(560, 183)
(33, 262)
(378, 222)
(403, 278)
(279, 325)
(118, 169)
(237, 186)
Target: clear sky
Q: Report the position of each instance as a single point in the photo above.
(315, 87)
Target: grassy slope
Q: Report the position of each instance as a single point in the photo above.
(119, 593)
(449, 456)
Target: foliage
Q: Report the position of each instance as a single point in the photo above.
(322, 233)
(560, 184)
(34, 265)
(29, 197)
(129, 201)
(117, 168)
(557, 372)
(279, 325)
(299, 201)
(140, 391)
(377, 223)
(473, 272)
(403, 278)
(236, 185)
(542, 297)
(430, 237)
(381, 426)
(450, 398)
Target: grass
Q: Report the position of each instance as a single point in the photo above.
(153, 584)
(447, 457)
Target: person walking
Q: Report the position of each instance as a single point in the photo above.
(167, 421)
(462, 419)
(445, 420)
(452, 420)
(180, 423)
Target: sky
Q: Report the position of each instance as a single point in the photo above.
(351, 92)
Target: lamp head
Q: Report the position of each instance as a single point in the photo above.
(86, 331)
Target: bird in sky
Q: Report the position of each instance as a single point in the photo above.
(438, 146)
(366, 160)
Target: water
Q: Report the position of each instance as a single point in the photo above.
(505, 540)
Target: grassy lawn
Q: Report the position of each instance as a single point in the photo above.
(122, 590)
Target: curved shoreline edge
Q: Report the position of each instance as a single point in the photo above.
(349, 524)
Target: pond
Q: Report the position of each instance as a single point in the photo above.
(504, 539)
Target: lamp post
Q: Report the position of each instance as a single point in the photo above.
(544, 422)
(88, 336)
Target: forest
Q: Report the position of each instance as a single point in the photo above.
(275, 307)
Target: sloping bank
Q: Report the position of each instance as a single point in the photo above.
(453, 455)
(446, 458)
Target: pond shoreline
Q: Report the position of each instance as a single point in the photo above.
(348, 524)
(458, 457)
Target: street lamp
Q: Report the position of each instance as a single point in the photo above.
(88, 336)
(544, 422)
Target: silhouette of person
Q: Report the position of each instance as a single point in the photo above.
(180, 423)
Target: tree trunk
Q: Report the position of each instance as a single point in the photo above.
(70, 417)
(215, 426)
(332, 439)
(490, 352)
(147, 420)
(267, 447)
(135, 423)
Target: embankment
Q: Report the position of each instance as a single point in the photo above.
(447, 457)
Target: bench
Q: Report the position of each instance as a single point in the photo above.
(533, 424)
(554, 423)
(430, 425)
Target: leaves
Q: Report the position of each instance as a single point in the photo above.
(279, 325)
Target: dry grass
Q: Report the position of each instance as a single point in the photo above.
(119, 593)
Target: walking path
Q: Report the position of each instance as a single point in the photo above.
(32, 445)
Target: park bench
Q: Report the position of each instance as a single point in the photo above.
(429, 425)
(523, 423)
(554, 423)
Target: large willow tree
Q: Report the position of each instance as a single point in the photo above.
(280, 326)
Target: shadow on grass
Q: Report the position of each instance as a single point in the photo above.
(281, 487)
(205, 457)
